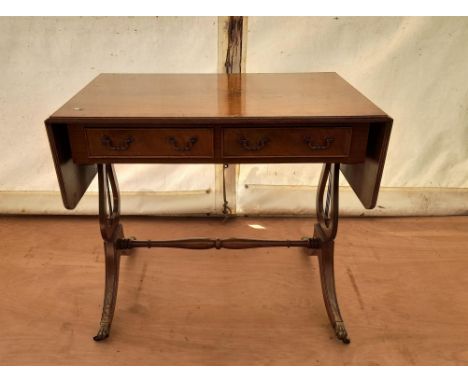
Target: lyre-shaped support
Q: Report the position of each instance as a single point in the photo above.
(114, 243)
(111, 231)
(109, 200)
(325, 231)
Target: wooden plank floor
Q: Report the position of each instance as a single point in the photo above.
(402, 285)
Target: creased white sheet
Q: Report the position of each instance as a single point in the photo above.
(416, 69)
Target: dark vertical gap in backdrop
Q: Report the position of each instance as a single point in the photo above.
(233, 63)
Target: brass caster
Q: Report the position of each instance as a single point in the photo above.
(103, 333)
(341, 333)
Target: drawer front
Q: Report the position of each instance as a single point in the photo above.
(149, 142)
(308, 142)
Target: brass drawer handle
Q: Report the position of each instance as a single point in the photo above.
(248, 146)
(327, 141)
(186, 147)
(107, 141)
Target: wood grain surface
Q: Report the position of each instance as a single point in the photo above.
(401, 282)
(218, 96)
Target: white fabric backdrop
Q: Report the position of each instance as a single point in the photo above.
(45, 61)
(413, 68)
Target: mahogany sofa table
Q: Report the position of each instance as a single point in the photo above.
(219, 118)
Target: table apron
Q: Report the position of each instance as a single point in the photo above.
(345, 143)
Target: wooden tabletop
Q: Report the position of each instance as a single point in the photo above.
(289, 95)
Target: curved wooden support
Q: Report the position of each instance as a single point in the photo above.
(112, 254)
(109, 201)
(327, 278)
(327, 215)
(325, 231)
(112, 232)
